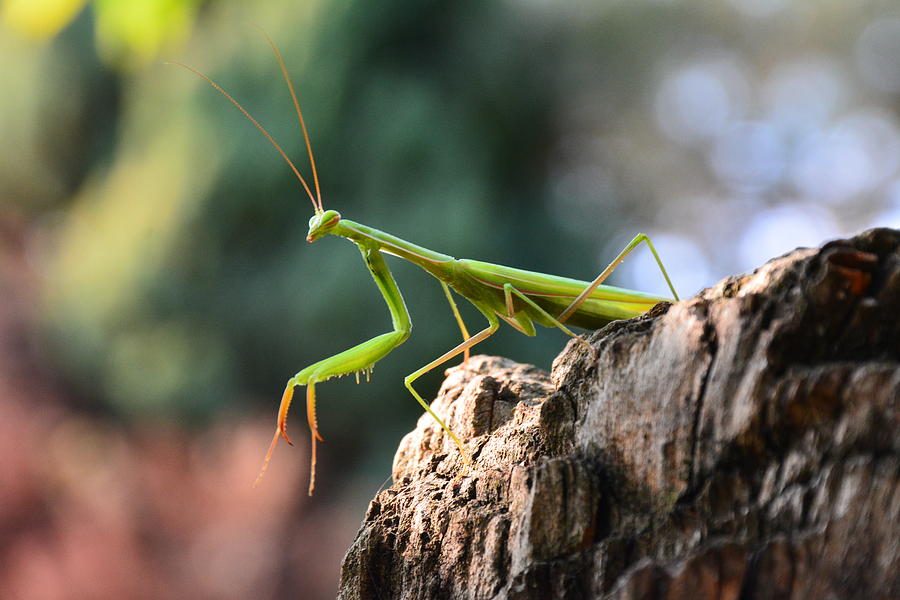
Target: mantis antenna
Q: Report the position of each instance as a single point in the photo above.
(317, 207)
(287, 79)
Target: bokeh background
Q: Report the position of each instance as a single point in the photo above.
(156, 290)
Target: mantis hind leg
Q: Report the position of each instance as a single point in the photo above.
(509, 291)
(612, 267)
(482, 335)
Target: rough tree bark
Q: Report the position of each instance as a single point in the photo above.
(739, 444)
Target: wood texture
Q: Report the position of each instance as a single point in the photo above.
(739, 444)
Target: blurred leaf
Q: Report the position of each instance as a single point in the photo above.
(40, 19)
(128, 34)
(131, 34)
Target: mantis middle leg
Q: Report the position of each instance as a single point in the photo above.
(612, 267)
(459, 319)
(493, 325)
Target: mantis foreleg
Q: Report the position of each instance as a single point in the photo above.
(358, 358)
(612, 267)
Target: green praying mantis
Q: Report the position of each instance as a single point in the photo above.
(518, 297)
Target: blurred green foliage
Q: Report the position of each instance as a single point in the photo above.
(128, 34)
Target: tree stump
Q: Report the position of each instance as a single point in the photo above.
(739, 444)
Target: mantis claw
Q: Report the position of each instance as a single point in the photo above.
(280, 429)
(284, 434)
(265, 465)
(283, 412)
(311, 417)
(311, 411)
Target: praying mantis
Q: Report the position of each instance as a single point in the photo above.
(518, 297)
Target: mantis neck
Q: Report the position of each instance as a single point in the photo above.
(370, 237)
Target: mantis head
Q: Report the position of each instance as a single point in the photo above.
(322, 223)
